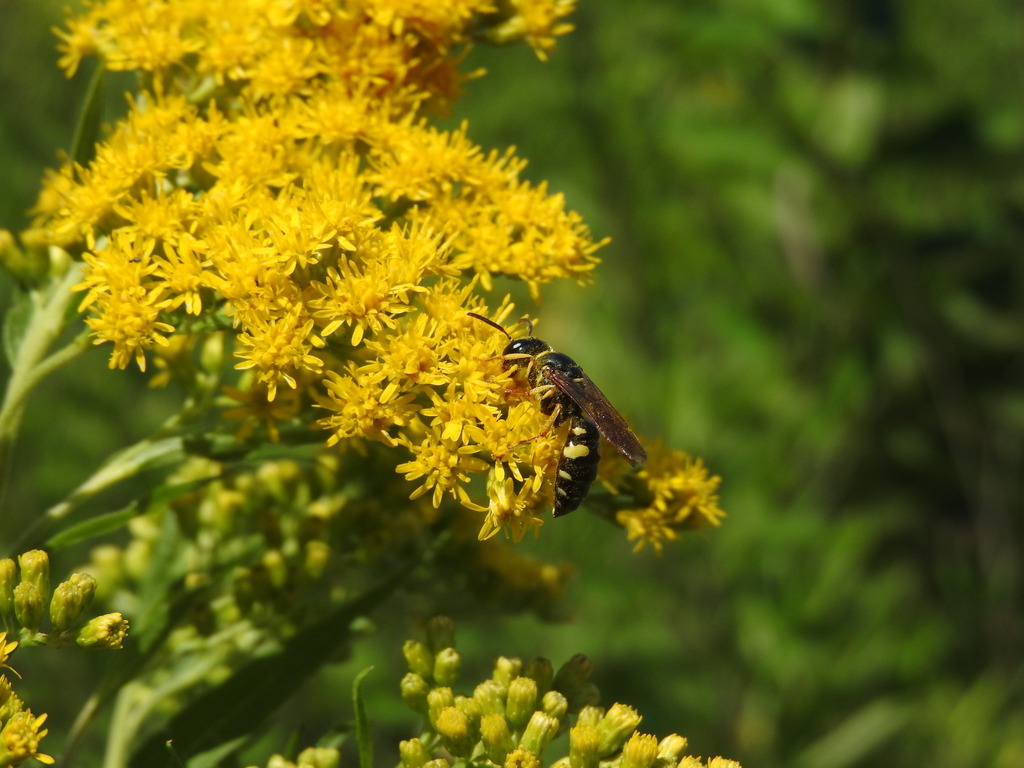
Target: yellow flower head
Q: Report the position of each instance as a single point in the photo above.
(276, 186)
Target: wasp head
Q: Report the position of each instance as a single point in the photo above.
(520, 352)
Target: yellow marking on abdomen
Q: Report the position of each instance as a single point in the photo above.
(575, 451)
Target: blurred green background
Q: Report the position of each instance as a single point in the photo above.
(815, 284)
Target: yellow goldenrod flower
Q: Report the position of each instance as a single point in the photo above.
(6, 649)
(20, 737)
(683, 495)
(276, 193)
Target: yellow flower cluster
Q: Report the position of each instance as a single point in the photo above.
(20, 730)
(276, 183)
(511, 719)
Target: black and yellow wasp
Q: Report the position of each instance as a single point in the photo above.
(567, 393)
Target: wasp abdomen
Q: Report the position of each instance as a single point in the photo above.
(577, 466)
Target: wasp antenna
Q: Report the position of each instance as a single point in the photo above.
(529, 325)
(490, 323)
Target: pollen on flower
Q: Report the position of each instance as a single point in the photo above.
(277, 191)
(683, 495)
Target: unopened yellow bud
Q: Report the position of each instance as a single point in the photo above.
(555, 704)
(496, 736)
(522, 701)
(617, 726)
(414, 692)
(413, 754)
(318, 757)
(584, 746)
(590, 715)
(107, 631)
(539, 732)
(491, 695)
(506, 669)
(722, 762)
(456, 731)
(671, 748)
(447, 665)
(70, 600)
(418, 658)
(28, 606)
(437, 700)
(35, 568)
(640, 751)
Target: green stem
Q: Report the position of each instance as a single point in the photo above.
(47, 321)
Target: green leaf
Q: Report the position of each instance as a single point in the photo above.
(364, 739)
(15, 324)
(241, 704)
(111, 521)
(96, 526)
(87, 130)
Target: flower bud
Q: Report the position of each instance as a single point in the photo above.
(522, 701)
(28, 606)
(419, 658)
(412, 753)
(640, 751)
(555, 704)
(35, 568)
(671, 749)
(506, 670)
(590, 715)
(447, 665)
(539, 732)
(496, 736)
(107, 631)
(318, 757)
(491, 696)
(617, 726)
(438, 699)
(456, 731)
(584, 743)
(414, 692)
(70, 600)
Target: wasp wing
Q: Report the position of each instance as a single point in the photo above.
(595, 405)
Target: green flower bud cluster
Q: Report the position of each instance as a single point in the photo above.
(278, 546)
(511, 719)
(26, 601)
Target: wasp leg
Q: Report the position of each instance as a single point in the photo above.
(552, 423)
